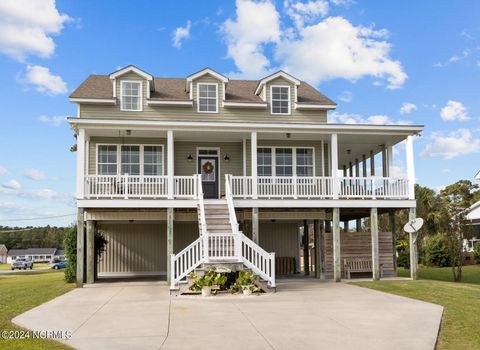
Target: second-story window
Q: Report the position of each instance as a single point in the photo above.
(131, 96)
(107, 160)
(280, 99)
(207, 98)
(152, 160)
(131, 160)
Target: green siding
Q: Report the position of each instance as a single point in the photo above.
(191, 114)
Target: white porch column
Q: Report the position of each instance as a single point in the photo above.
(170, 164)
(170, 218)
(81, 164)
(244, 156)
(410, 167)
(90, 252)
(375, 249)
(80, 247)
(389, 160)
(255, 231)
(334, 165)
(337, 260)
(254, 164)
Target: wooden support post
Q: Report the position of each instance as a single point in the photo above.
(375, 250)
(413, 247)
(170, 165)
(364, 165)
(319, 229)
(306, 249)
(393, 228)
(384, 162)
(357, 168)
(255, 233)
(253, 150)
(170, 218)
(337, 260)
(372, 163)
(90, 251)
(80, 247)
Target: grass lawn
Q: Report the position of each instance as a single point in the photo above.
(23, 291)
(461, 302)
(470, 273)
(7, 266)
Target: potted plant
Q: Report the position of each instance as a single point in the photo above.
(207, 281)
(246, 282)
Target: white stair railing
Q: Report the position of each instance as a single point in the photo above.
(186, 261)
(201, 207)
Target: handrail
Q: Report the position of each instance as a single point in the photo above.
(184, 262)
(201, 206)
(258, 259)
(231, 208)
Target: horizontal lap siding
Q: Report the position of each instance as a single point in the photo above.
(187, 168)
(191, 114)
(356, 245)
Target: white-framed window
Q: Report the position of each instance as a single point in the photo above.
(107, 160)
(264, 161)
(115, 159)
(152, 160)
(130, 95)
(280, 99)
(130, 163)
(285, 161)
(207, 98)
(304, 158)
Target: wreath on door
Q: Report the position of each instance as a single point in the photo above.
(207, 167)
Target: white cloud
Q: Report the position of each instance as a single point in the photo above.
(12, 185)
(407, 108)
(44, 81)
(455, 58)
(335, 48)
(180, 34)
(346, 96)
(35, 174)
(457, 143)
(305, 12)
(44, 193)
(3, 170)
(257, 24)
(53, 121)
(27, 27)
(352, 118)
(454, 110)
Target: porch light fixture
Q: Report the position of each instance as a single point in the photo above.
(288, 135)
(349, 151)
(128, 132)
(189, 158)
(226, 157)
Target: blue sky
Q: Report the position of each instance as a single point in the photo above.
(372, 58)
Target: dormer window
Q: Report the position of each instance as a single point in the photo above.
(131, 96)
(207, 98)
(280, 99)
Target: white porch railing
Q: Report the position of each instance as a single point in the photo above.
(135, 186)
(315, 187)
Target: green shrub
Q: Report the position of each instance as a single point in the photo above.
(70, 246)
(403, 258)
(435, 251)
(476, 252)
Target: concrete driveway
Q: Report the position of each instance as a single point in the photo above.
(303, 314)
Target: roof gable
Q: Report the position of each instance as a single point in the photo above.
(274, 76)
(131, 68)
(205, 71)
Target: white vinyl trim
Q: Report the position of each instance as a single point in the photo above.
(93, 100)
(273, 76)
(170, 103)
(219, 160)
(244, 105)
(307, 106)
(134, 69)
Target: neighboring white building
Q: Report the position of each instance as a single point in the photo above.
(3, 254)
(36, 254)
(474, 217)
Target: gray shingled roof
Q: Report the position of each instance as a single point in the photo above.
(100, 87)
(33, 251)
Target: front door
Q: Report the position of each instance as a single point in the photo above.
(208, 168)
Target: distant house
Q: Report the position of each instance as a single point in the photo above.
(3, 254)
(36, 254)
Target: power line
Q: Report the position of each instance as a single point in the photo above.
(39, 218)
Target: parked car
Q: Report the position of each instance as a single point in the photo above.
(59, 265)
(22, 263)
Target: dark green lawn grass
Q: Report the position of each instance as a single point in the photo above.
(460, 327)
(20, 292)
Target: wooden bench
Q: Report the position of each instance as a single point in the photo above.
(358, 265)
